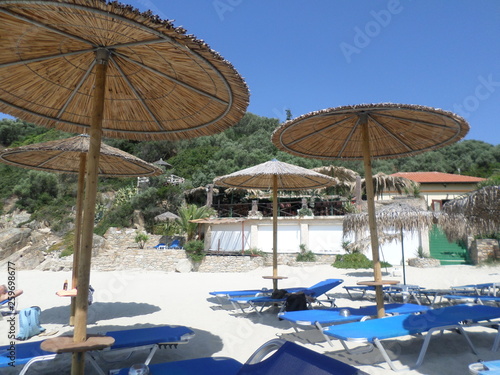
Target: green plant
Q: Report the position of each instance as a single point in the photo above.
(195, 250)
(306, 256)
(421, 253)
(304, 211)
(255, 252)
(355, 260)
(141, 239)
(190, 212)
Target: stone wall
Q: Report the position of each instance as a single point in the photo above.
(482, 250)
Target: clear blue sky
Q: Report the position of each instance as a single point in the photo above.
(310, 55)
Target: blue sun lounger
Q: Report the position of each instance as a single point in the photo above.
(325, 317)
(446, 318)
(461, 298)
(312, 293)
(225, 295)
(288, 359)
(487, 368)
(129, 340)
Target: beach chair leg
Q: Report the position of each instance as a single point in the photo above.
(387, 359)
(94, 364)
(497, 341)
(151, 354)
(36, 359)
(321, 329)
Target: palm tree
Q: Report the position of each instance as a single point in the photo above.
(188, 213)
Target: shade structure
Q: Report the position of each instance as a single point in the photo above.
(166, 216)
(367, 131)
(64, 156)
(398, 217)
(89, 66)
(477, 213)
(275, 175)
(69, 156)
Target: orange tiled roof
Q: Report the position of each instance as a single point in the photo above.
(438, 177)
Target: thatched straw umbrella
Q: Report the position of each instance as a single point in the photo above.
(166, 216)
(89, 66)
(478, 213)
(69, 156)
(383, 182)
(275, 175)
(399, 217)
(370, 131)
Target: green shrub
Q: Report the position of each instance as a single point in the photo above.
(195, 250)
(141, 239)
(355, 260)
(255, 252)
(307, 256)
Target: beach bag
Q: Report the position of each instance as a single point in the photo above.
(279, 294)
(296, 302)
(29, 323)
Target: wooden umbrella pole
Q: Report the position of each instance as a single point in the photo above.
(377, 270)
(80, 332)
(78, 232)
(275, 232)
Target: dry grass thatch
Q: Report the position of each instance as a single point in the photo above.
(478, 213)
(395, 130)
(161, 83)
(289, 177)
(395, 216)
(63, 156)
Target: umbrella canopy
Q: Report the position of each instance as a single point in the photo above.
(370, 131)
(275, 175)
(477, 213)
(89, 66)
(64, 156)
(161, 83)
(399, 217)
(166, 216)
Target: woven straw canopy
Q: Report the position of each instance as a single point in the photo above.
(160, 83)
(478, 213)
(166, 216)
(395, 130)
(392, 217)
(63, 156)
(289, 177)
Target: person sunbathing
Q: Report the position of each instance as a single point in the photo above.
(5, 294)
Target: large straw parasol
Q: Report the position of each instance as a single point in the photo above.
(69, 156)
(477, 213)
(370, 131)
(397, 216)
(105, 69)
(275, 175)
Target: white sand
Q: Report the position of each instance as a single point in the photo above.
(126, 299)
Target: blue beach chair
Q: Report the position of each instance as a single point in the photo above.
(288, 359)
(312, 293)
(126, 341)
(447, 318)
(324, 317)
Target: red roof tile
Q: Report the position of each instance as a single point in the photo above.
(438, 177)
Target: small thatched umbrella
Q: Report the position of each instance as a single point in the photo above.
(69, 155)
(382, 182)
(477, 213)
(166, 216)
(275, 175)
(398, 217)
(98, 67)
(370, 131)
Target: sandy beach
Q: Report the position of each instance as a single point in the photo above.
(136, 298)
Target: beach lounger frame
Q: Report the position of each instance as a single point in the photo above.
(454, 318)
(259, 303)
(126, 341)
(320, 319)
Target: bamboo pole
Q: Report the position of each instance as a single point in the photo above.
(377, 270)
(81, 305)
(78, 232)
(275, 232)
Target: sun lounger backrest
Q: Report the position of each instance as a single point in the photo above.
(322, 287)
(290, 357)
